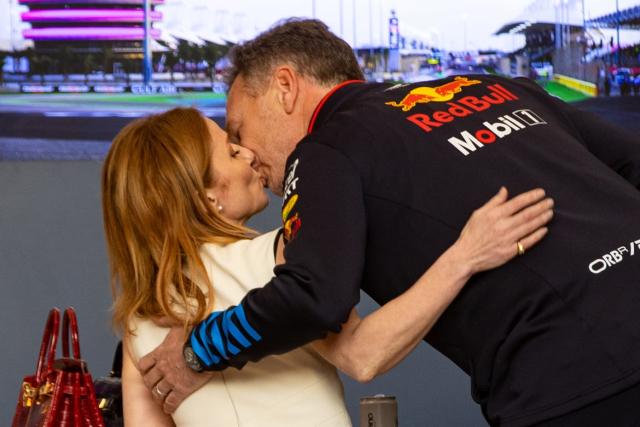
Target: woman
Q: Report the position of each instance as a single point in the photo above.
(176, 196)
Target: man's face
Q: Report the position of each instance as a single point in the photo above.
(259, 123)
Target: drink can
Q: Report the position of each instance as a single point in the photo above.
(378, 411)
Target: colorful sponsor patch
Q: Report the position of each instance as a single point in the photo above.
(292, 223)
(425, 94)
(286, 210)
(291, 227)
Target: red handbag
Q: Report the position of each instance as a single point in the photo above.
(61, 392)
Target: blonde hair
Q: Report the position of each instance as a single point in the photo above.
(156, 217)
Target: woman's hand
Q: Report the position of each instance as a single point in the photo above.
(491, 236)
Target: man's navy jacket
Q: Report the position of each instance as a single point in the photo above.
(383, 184)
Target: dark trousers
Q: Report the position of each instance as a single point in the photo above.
(620, 410)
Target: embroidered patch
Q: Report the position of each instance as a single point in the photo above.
(291, 223)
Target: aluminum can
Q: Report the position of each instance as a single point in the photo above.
(378, 411)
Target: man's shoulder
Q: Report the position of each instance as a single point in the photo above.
(379, 114)
(344, 136)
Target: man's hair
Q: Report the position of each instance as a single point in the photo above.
(307, 44)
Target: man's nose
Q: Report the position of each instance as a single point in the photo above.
(248, 155)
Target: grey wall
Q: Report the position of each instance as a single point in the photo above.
(52, 253)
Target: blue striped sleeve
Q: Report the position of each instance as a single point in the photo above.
(213, 339)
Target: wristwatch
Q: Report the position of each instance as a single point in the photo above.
(191, 358)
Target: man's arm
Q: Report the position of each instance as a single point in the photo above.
(613, 145)
(314, 291)
(368, 347)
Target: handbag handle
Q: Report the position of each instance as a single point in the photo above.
(48, 345)
(116, 367)
(70, 324)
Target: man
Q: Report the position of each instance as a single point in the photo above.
(380, 180)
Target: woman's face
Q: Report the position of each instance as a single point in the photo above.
(237, 187)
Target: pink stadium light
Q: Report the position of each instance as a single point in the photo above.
(88, 15)
(88, 33)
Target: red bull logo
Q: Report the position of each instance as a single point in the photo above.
(426, 94)
(462, 107)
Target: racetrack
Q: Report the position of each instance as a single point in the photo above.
(56, 127)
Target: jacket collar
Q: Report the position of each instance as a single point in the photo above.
(330, 102)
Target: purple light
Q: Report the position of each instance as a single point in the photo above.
(88, 15)
(89, 33)
(138, 2)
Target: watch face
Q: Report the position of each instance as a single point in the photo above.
(191, 359)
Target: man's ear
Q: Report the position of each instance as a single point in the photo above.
(287, 85)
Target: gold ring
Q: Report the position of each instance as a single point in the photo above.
(159, 393)
(520, 248)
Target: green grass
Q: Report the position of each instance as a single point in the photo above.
(563, 92)
(119, 100)
(180, 98)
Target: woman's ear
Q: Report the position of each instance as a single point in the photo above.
(211, 196)
(213, 200)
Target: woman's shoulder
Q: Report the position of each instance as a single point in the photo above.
(243, 253)
(236, 268)
(144, 337)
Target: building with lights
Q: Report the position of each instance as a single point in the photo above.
(89, 26)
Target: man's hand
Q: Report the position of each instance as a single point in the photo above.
(166, 374)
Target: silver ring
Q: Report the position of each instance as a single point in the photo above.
(159, 393)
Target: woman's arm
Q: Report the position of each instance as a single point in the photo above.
(139, 407)
(368, 347)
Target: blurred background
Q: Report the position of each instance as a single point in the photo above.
(73, 72)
